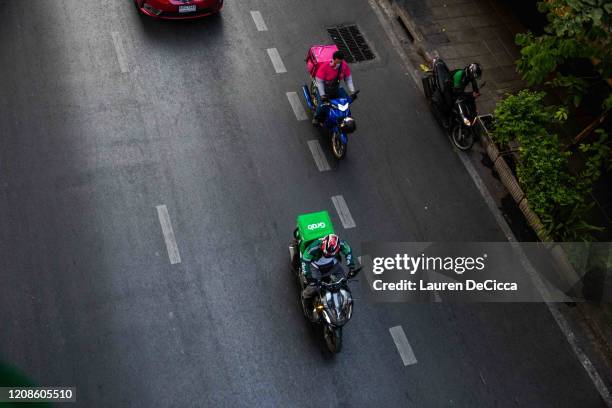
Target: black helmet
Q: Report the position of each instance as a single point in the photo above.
(474, 70)
(338, 55)
(348, 125)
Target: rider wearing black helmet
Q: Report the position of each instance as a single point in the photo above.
(465, 76)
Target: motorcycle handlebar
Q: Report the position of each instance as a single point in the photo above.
(320, 283)
(326, 101)
(329, 285)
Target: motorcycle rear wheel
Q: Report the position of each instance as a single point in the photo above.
(333, 338)
(462, 137)
(338, 148)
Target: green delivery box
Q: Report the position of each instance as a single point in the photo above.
(312, 226)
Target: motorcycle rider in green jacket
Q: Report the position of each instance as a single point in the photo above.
(323, 254)
(463, 77)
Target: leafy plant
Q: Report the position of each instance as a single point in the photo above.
(560, 114)
(572, 225)
(577, 29)
(542, 172)
(607, 105)
(519, 115)
(575, 87)
(555, 195)
(598, 158)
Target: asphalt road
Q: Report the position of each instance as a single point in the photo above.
(105, 115)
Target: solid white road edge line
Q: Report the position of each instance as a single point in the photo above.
(168, 232)
(554, 311)
(393, 38)
(537, 281)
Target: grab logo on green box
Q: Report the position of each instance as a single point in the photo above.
(313, 227)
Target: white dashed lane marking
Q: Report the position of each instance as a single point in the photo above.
(343, 212)
(168, 232)
(277, 62)
(296, 105)
(318, 155)
(120, 52)
(403, 346)
(259, 21)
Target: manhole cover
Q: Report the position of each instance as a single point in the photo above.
(351, 42)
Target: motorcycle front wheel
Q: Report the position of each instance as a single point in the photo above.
(333, 338)
(462, 137)
(338, 148)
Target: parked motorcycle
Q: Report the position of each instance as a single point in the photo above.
(339, 114)
(457, 116)
(333, 302)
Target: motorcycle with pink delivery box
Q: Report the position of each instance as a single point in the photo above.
(338, 122)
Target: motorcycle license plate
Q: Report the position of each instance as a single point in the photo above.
(187, 9)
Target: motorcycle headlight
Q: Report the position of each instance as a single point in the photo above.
(467, 122)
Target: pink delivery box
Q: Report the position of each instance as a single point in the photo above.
(319, 54)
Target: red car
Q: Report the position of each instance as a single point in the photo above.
(179, 9)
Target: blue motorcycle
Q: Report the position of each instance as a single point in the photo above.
(338, 121)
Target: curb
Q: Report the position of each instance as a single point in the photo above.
(563, 265)
(505, 174)
(565, 270)
(509, 180)
(418, 39)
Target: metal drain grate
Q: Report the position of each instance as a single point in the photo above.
(351, 42)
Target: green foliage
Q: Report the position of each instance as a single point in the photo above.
(572, 226)
(577, 29)
(598, 158)
(554, 194)
(607, 105)
(575, 87)
(520, 114)
(543, 174)
(560, 114)
(540, 56)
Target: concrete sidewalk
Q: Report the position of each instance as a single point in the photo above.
(464, 31)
